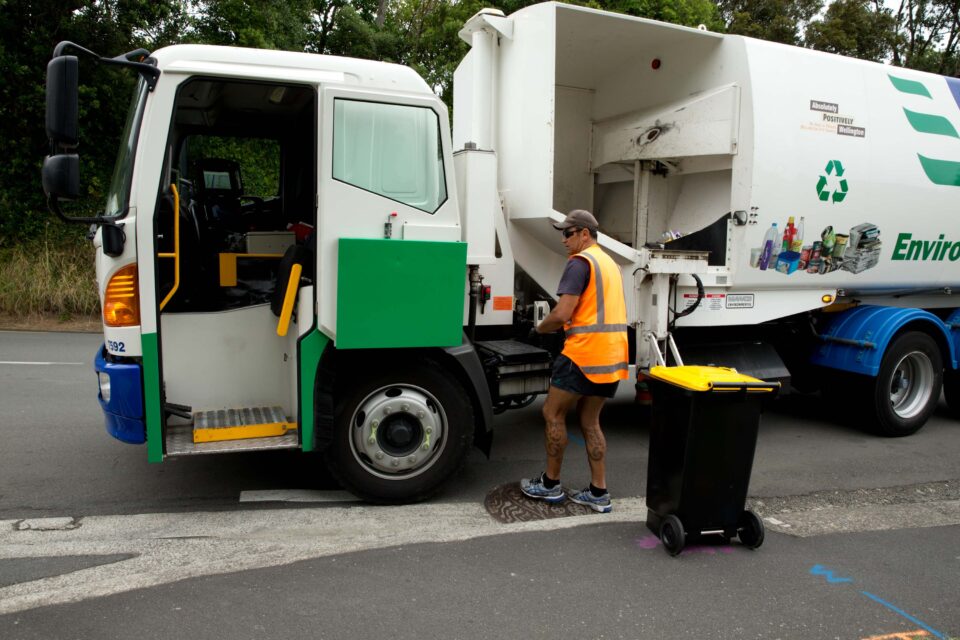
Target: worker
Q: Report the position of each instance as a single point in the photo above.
(592, 311)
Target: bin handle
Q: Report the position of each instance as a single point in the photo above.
(747, 386)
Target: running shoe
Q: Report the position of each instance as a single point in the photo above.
(534, 488)
(601, 504)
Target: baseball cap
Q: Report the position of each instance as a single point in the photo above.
(578, 218)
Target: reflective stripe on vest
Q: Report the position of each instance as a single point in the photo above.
(609, 368)
(598, 347)
(597, 328)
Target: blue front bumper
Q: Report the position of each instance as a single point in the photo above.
(124, 411)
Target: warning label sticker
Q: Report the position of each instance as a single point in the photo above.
(502, 303)
(710, 302)
(719, 301)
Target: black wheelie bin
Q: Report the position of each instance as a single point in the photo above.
(702, 440)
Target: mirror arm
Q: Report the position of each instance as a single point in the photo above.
(149, 72)
(53, 203)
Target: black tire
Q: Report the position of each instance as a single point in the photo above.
(750, 529)
(672, 535)
(951, 390)
(424, 426)
(907, 388)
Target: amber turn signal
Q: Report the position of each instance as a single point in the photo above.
(121, 302)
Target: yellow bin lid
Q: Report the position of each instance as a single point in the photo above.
(700, 378)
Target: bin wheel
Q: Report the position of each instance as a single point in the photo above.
(672, 535)
(750, 529)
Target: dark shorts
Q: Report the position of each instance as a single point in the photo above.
(567, 376)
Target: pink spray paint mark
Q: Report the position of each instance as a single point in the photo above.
(651, 541)
(710, 551)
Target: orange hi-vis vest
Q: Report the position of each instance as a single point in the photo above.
(597, 333)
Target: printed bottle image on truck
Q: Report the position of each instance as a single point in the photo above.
(854, 251)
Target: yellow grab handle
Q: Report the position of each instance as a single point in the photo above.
(176, 246)
(291, 294)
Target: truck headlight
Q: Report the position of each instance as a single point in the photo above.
(104, 385)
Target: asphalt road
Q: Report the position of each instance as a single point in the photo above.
(171, 549)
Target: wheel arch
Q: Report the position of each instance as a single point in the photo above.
(461, 361)
(857, 339)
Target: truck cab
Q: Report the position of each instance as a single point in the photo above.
(284, 267)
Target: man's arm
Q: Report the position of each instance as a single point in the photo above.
(560, 315)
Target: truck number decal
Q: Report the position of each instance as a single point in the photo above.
(117, 347)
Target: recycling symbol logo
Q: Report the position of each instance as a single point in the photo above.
(834, 168)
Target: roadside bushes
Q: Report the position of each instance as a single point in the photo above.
(50, 276)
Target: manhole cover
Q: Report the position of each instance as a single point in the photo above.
(507, 504)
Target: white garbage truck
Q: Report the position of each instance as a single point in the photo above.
(297, 252)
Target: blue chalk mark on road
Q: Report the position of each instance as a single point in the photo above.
(904, 614)
(820, 570)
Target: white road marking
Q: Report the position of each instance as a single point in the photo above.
(872, 517)
(297, 495)
(175, 546)
(47, 524)
(40, 363)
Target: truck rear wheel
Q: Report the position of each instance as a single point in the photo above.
(908, 386)
(400, 432)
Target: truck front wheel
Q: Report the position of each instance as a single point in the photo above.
(399, 431)
(908, 385)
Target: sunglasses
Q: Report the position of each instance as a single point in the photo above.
(571, 232)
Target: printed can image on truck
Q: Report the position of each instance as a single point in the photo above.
(299, 252)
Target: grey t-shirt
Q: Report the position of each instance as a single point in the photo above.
(575, 278)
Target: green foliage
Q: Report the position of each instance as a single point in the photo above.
(690, 13)
(428, 30)
(854, 28)
(929, 35)
(774, 20)
(259, 160)
(29, 30)
(260, 24)
(49, 275)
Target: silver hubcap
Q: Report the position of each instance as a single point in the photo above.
(911, 384)
(398, 431)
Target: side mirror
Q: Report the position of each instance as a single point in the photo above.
(61, 176)
(62, 101)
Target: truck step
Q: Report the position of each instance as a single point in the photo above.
(179, 442)
(240, 424)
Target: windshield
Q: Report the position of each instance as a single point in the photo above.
(119, 192)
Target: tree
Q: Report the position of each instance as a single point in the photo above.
(29, 30)
(854, 28)
(350, 29)
(260, 24)
(775, 20)
(930, 35)
(689, 13)
(428, 32)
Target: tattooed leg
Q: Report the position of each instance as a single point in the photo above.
(555, 409)
(588, 409)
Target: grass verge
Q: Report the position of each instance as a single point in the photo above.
(48, 281)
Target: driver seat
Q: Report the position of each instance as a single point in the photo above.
(218, 187)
